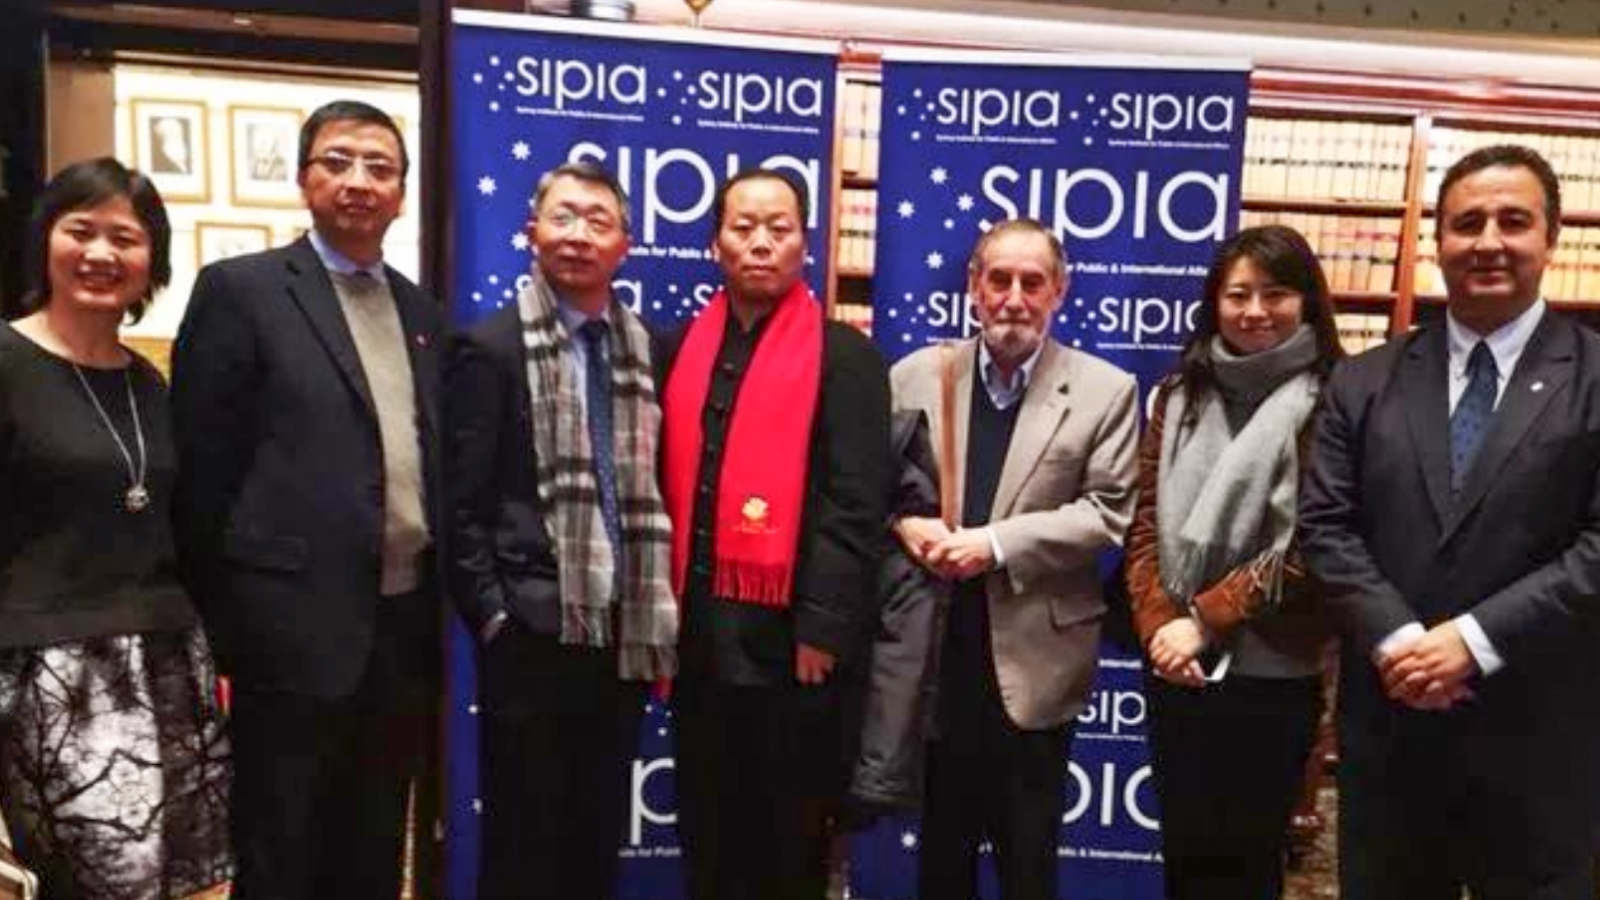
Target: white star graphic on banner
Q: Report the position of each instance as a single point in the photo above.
(494, 60)
(520, 151)
(939, 175)
(916, 135)
(908, 840)
(949, 224)
(906, 209)
(477, 78)
(519, 241)
(486, 186)
(964, 203)
(935, 260)
(494, 106)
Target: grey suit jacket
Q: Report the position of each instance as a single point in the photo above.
(1065, 494)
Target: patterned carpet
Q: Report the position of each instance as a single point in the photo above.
(1315, 876)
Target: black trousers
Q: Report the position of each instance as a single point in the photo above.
(319, 787)
(559, 734)
(758, 776)
(1228, 760)
(1494, 796)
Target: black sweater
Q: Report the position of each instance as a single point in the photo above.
(74, 562)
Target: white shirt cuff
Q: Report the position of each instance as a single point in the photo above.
(994, 546)
(1478, 644)
(1401, 636)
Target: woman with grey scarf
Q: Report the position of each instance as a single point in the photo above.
(1229, 619)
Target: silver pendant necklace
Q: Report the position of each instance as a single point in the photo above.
(137, 497)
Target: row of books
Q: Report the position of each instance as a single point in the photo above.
(1358, 253)
(858, 315)
(1313, 159)
(1575, 159)
(860, 121)
(858, 230)
(1361, 331)
(1573, 272)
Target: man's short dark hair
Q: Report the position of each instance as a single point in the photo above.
(349, 111)
(1511, 155)
(590, 172)
(719, 205)
(1058, 253)
(85, 185)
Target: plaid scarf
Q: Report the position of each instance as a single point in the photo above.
(643, 604)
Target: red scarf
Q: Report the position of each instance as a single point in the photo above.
(761, 487)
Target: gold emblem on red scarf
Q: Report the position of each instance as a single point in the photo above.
(755, 516)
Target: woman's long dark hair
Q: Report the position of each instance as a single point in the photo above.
(1283, 254)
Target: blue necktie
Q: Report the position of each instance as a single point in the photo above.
(1473, 413)
(597, 398)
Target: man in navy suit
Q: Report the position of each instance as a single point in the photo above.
(1452, 510)
(305, 411)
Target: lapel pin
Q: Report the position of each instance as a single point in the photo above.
(422, 341)
(1536, 387)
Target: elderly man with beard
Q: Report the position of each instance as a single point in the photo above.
(1043, 441)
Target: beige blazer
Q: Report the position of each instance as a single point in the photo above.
(1065, 494)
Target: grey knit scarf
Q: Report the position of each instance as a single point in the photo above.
(1225, 499)
(643, 606)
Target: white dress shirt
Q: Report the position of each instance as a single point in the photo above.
(1506, 344)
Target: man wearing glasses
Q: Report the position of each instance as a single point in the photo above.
(305, 409)
(559, 552)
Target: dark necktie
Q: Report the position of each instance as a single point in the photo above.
(597, 399)
(1473, 413)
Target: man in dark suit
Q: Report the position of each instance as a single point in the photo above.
(1453, 512)
(305, 412)
(776, 474)
(559, 546)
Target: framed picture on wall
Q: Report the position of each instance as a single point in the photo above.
(220, 240)
(170, 141)
(262, 142)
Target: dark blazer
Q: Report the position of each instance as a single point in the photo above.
(850, 480)
(1520, 550)
(500, 556)
(279, 506)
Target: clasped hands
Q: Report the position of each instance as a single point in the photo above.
(1174, 649)
(955, 555)
(1429, 671)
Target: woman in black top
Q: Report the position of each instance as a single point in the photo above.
(113, 766)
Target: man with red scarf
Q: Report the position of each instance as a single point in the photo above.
(777, 478)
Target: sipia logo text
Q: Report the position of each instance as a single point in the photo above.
(565, 82)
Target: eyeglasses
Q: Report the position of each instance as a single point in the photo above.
(598, 224)
(380, 169)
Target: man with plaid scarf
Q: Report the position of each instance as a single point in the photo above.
(559, 553)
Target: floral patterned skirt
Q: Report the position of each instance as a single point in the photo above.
(114, 770)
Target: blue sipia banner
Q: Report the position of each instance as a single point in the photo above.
(1134, 163)
(673, 112)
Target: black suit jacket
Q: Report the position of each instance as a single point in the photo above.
(500, 556)
(1519, 549)
(849, 485)
(279, 503)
